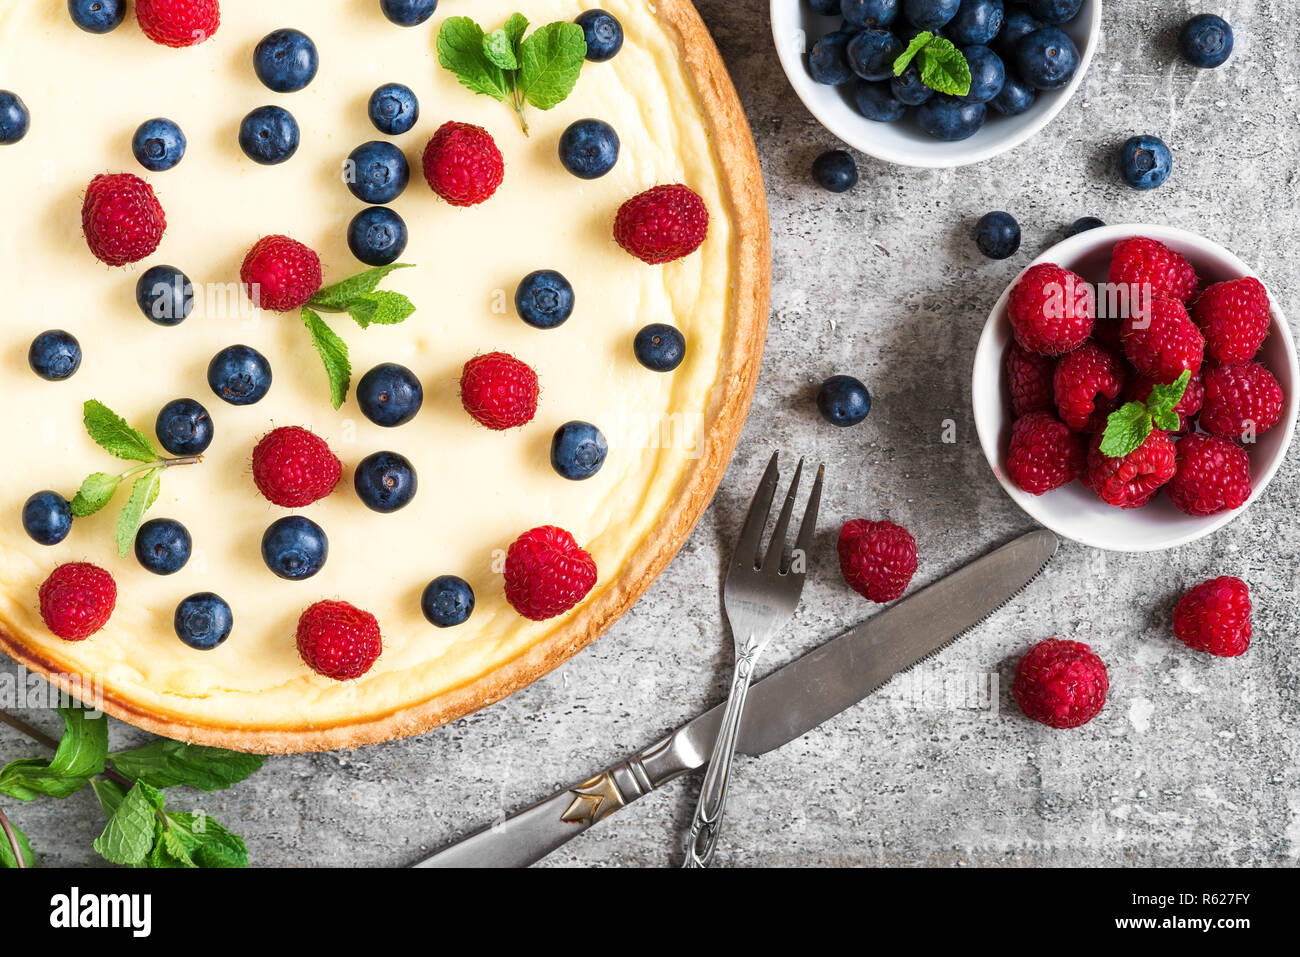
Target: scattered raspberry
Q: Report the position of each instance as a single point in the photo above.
(281, 274)
(1215, 617)
(1133, 480)
(293, 467)
(1162, 341)
(1138, 389)
(499, 391)
(1234, 317)
(121, 218)
(178, 23)
(877, 559)
(547, 573)
(1052, 310)
(462, 164)
(1139, 262)
(1030, 377)
(339, 640)
(77, 600)
(1213, 475)
(1044, 453)
(1087, 384)
(662, 224)
(1062, 684)
(1241, 401)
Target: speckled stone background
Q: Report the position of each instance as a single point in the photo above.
(1194, 759)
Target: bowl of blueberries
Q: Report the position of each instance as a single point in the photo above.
(935, 83)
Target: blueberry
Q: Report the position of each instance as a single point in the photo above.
(1145, 162)
(827, 8)
(949, 119)
(47, 518)
(1083, 224)
(876, 101)
(544, 299)
(286, 60)
(835, 171)
(997, 235)
(163, 546)
(184, 427)
(390, 395)
(869, 13)
(377, 172)
(1206, 41)
(987, 73)
(1047, 58)
(394, 109)
(1055, 11)
(385, 481)
(447, 601)
(203, 621)
(408, 13)
(843, 401)
(1015, 97)
(977, 21)
(1017, 23)
(97, 16)
(165, 295)
(240, 375)
(269, 135)
(377, 236)
(578, 450)
(14, 118)
(929, 14)
(158, 144)
(659, 347)
(908, 88)
(872, 53)
(54, 355)
(603, 32)
(828, 61)
(589, 148)
(295, 548)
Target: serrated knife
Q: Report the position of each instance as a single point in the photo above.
(785, 705)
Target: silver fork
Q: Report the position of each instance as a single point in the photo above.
(760, 594)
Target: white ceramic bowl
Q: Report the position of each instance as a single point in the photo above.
(795, 28)
(1074, 511)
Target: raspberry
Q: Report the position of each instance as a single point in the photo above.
(1044, 453)
(1161, 341)
(1140, 262)
(281, 274)
(1087, 384)
(121, 218)
(1138, 389)
(1030, 377)
(462, 164)
(1215, 617)
(877, 559)
(662, 224)
(499, 391)
(1234, 317)
(178, 23)
(293, 467)
(1241, 401)
(1061, 684)
(1106, 334)
(339, 640)
(1052, 310)
(77, 600)
(547, 573)
(1213, 475)
(1134, 479)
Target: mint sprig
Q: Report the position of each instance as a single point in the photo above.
(943, 67)
(1129, 425)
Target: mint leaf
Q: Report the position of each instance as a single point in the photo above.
(913, 48)
(550, 60)
(206, 842)
(130, 833)
(333, 353)
(383, 308)
(515, 29)
(110, 431)
(500, 50)
(169, 849)
(165, 764)
(338, 297)
(1167, 420)
(1164, 398)
(7, 858)
(80, 756)
(460, 50)
(95, 492)
(110, 794)
(1126, 429)
(944, 68)
(143, 494)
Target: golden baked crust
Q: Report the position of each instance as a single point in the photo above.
(748, 309)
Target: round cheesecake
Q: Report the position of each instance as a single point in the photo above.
(668, 97)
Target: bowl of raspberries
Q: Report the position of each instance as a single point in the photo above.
(935, 83)
(1134, 388)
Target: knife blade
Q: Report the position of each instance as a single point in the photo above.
(785, 705)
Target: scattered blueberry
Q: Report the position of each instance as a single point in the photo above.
(377, 172)
(162, 546)
(603, 32)
(1206, 41)
(589, 148)
(295, 547)
(1054, 11)
(377, 236)
(544, 299)
(47, 518)
(97, 16)
(871, 54)
(286, 60)
(165, 295)
(158, 144)
(1017, 23)
(1015, 97)
(578, 450)
(997, 235)
(828, 61)
(54, 355)
(948, 119)
(1145, 161)
(986, 71)
(239, 375)
(1083, 224)
(390, 395)
(184, 427)
(835, 170)
(447, 601)
(930, 14)
(876, 101)
(977, 21)
(385, 481)
(908, 88)
(843, 401)
(659, 347)
(203, 621)
(394, 109)
(408, 13)
(1047, 58)
(269, 135)
(14, 118)
(869, 13)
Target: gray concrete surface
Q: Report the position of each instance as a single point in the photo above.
(1193, 761)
